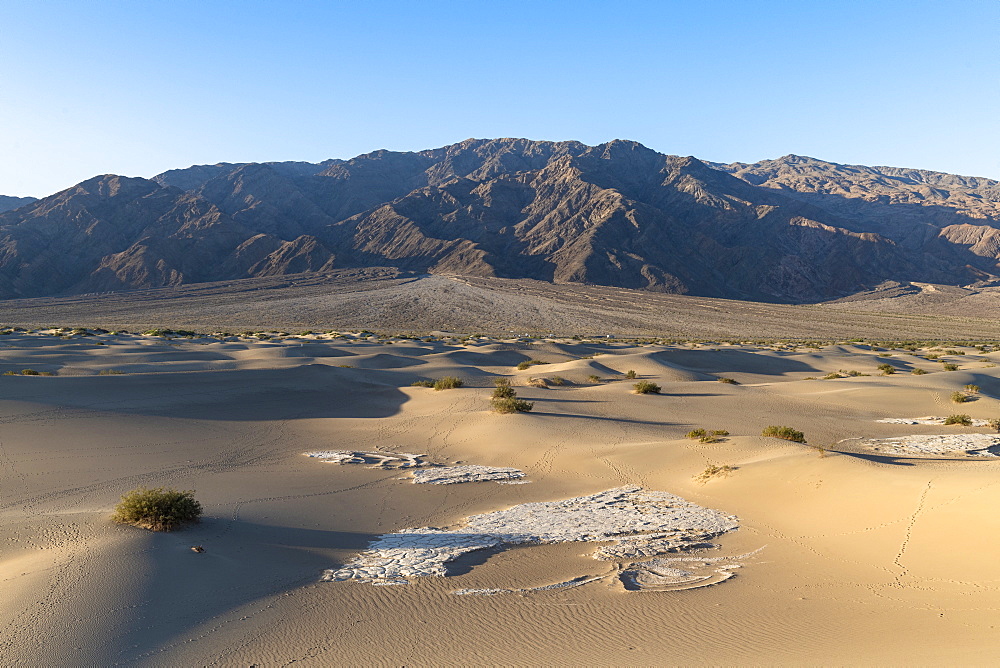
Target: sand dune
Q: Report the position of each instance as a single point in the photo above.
(846, 553)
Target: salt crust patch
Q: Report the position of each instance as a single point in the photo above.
(449, 475)
(637, 521)
(944, 444)
(428, 473)
(393, 460)
(929, 420)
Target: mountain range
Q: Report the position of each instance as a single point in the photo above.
(794, 229)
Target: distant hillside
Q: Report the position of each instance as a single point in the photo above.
(618, 214)
(8, 203)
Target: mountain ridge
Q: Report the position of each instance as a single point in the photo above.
(794, 229)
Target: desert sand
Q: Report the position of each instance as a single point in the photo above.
(837, 551)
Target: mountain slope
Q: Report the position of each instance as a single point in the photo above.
(8, 203)
(617, 214)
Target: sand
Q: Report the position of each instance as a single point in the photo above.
(843, 554)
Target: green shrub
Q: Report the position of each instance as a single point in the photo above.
(631, 374)
(696, 433)
(10, 373)
(959, 397)
(29, 372)
(961, 419)
(786, 433)
(887, 369)
(511, 405)
(109, 372)
(719, 432)
(448, 383)
(950, 367)
(503, 388)
(646, 387)
(160, 509)
(558, 381)
(994, 424)
(729, 381)
(918, 372)
(594, 378)
(422, 383)
(832, 376)
(974, 389)
(527, 364)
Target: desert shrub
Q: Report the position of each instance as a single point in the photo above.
(160, 509)
(832, 376)
(345, 366)
(45, 373)
(165, 332)
(646, 387)
(630, 374)
(109, 372)
(974, 389)
(918, 372)
(10, 373)
(29, 372)
(932, 356)
(950, 367)
(594, 378)
(696, 433)
(448, 383)
(527, 364)
(959, 397)
(959, 418)
(538, 382)
(854, 373)
(511, 405)
(729, 381)
(422, 383)
(719, 432)
(503, 389)
(558, 381)
(713, 471)
(994, 424)
(786, 433)
(887, 369)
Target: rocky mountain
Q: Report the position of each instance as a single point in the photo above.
(944, 217)
(8, 203)
(617, 214)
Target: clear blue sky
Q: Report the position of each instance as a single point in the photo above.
(136, 87)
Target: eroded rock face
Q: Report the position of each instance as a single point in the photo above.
(639, 522)
(618, 214)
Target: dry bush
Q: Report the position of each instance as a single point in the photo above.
(918, 372)
(511, 405)
(538, 382)
(631, 374)
(422, 383)
(786, 433)
(729, 381)
(713, 471)
(974, 389)
(959, 397)
(959, 418)
(646, 387)
(594, 378)
(448, 383)
(160, 509)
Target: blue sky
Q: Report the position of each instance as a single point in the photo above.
(136, 87)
